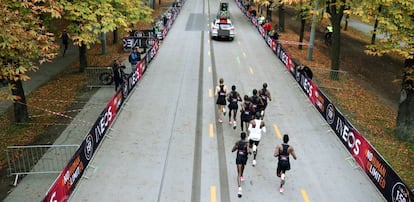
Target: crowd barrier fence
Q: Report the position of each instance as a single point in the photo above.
(37, 159)
(98, 77)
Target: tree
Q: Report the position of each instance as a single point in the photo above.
(336, 9)
(281, 9)
(24, 44)
(89, 19)
(303, 10)
(396, 20)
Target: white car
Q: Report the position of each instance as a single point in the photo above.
(222, 28)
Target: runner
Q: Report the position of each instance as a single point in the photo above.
(246, 114)
(221, 92)
(256, 127)
(242, 147)
(282, 152)
(257, 103)
(264, 94)
(233, 97)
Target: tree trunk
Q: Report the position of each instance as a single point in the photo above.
(269, 12)
(115, 39)
(405, 118)
(374, 33)
(82, 58)
(336, 17)
(21, 115)
(281, 18)
(346, 22)
(302, 31)
(103, 43)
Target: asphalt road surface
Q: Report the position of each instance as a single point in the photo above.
(166, 144)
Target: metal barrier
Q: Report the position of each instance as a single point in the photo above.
(38, 159)
(329, 79)
(99, 77)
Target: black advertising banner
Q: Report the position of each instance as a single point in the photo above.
(70, 175)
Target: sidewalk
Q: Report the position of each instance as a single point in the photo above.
(363, 27)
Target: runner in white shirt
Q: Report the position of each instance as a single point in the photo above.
(256, 127)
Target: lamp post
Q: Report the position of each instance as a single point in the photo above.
(312, 34)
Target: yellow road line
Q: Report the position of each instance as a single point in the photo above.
(209, 69)
(251, 70)
(278, 134)
(304, 195)
(208, 53)
(213, 194)
(210, 92)
(211, 130)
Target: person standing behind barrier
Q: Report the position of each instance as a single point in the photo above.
(267, 26)
(233, 97)
(221, 92)
(134, 58)
(246, 114)
(116, 69)
(242, 147)
(265, 95)
(282, 152)
(256, 127)
(274, 35)
(65, 41)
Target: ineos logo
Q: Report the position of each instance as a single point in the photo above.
(330, 114)
(400, 193)
(88, 149)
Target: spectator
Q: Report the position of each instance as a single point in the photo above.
(118, 73)
(252, 12)
(261, 20)
(307, 72)
(134, 58)
(267, 26)
(165, 20)
(274, 35)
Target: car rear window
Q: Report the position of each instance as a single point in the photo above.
(225, 26)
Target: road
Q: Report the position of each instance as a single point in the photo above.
(166, 144)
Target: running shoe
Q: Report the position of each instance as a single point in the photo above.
(220, 120)
(229, 122)
(241, 178)
(254, 163)
(283, 179)
(281, 189)
(224, 111)
(234, 125)
(239, 192)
